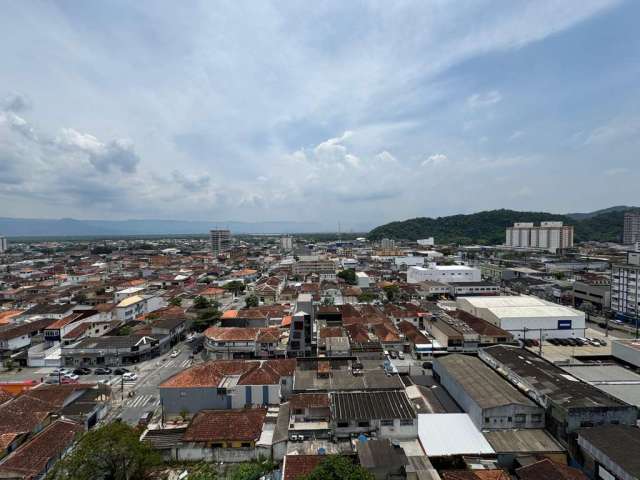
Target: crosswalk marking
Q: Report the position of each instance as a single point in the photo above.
(142, 401)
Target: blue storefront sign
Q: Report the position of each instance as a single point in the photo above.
(564, 324)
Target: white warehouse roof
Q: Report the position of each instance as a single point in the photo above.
(444, 434)
(521, 306)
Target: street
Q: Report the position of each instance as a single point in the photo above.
(145, 389)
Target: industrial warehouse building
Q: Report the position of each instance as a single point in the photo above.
(570, 404)
(443, 274)
(526, 316)
(491, 401)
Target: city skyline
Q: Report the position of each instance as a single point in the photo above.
(253, 112)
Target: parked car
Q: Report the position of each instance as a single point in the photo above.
(129, 377)
(427, 365)
(102, 371)
(393, 354)
(66, 380)
(120, 371)
(175, 353)
(145, 418)
(71, 376)
(401, 355)
(52, 380)
(82, 371)
(60, 371)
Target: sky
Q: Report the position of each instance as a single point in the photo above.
(358, 112)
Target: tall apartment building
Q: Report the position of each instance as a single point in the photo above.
(301, 328)
(286, 243)
(220, 241)
(550, 236)
(631, 233)
(387, 243)
(625, 287)
(4, 244)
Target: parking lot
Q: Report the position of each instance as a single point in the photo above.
(563, 353)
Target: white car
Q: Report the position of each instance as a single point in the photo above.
(129, 377)
(175, 353)
(71, 376)
(61, 371)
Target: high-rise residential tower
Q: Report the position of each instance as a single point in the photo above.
(220, 241)
(631, 233)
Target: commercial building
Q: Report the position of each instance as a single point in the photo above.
(626, 350)
(491, 402)
(550, 236)
(311, 264)
(597, 293)
(631, 233)
(443, 274)
(388, 414)
(570, 404)
(526, 316)
(625, 288)
(220, 241)
(611, 452)
(227, 384)
(4, 244)
(426, 242)
(363, 280)
(451, 434)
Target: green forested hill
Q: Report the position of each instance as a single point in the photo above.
(488, 227)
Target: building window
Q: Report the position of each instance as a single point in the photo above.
(363, 424)
(216, 445)
(386, 423)
(246, 445)
(343, 424)
(406, 422)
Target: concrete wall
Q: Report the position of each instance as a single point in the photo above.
(198, 452)
(174, 400)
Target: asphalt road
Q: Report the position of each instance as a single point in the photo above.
(145, 393)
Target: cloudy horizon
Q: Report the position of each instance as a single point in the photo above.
(353, 112)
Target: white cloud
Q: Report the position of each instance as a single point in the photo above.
(612, 172)
(618, 129)
(435, 160)
(482, 100)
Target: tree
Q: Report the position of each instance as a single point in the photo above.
(250, 470)
(202, 471)
(112, 452)
(175, 302)
(206, 318)
(336, 467)
(252, 301)
(392, 292)
(349, 276)
(235, 287)
(201, 302)
(366, 297)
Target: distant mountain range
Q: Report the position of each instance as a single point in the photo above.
(27, 227)
(488, 227)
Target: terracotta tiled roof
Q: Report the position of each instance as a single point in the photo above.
(231, 334)
(226, 425)
(548, 470)
(327, 332)
(309, 400)
(297, 466)
(31, 459)
(252, 372)
(475, 475)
